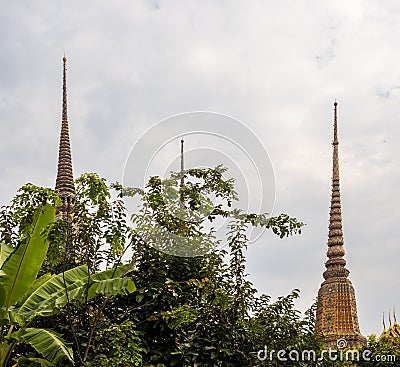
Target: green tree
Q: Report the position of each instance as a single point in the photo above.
(202, 310)
(383, 351)
(197, 310)
(19, 268)
(24, 298)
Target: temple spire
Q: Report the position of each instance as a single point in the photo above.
(65, 179)
(335, 266)
(336, 315)
(182, 163)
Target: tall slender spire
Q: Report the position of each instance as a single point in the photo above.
(65, 179)
(182, 163)
(335, 266)
(336, 316)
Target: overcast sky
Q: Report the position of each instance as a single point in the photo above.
(275, 66)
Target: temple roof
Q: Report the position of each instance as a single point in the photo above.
(394, 329)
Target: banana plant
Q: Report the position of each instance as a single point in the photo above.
(24, 297)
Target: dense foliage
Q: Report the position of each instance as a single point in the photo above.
(25, 299)
(195, 309)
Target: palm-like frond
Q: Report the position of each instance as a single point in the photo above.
(45, 342)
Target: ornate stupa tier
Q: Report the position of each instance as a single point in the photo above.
(337, 314)
(336, 251)
(336, 317)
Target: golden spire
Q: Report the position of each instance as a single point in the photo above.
(65, 179)
(335, 266)
(384, 325)
(336, 314)
(394, 329)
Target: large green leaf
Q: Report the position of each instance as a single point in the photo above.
(5, 252)
(45, 299)
(115, 272)
(74, 285)
(45, 342)
(36, 284)
(24, 263)
(111, 287)
(106, 283)
(12, 315)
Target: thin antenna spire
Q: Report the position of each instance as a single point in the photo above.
(65, 179)
(182, 163)
(335, 132)
(64, 106)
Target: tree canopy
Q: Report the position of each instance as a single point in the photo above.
(154, 287)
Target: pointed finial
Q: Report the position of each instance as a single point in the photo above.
(64, 106)
(390, 320)
(394, 315)
(384, 325)
(335, 133)
(335, 145)
(182, 163)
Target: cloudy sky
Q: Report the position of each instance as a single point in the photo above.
(275, 66)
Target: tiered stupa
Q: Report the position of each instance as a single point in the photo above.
(336, 317)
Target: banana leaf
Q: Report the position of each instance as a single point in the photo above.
(5, 252)
(23, 264)
(45, 342)
(73, 285)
